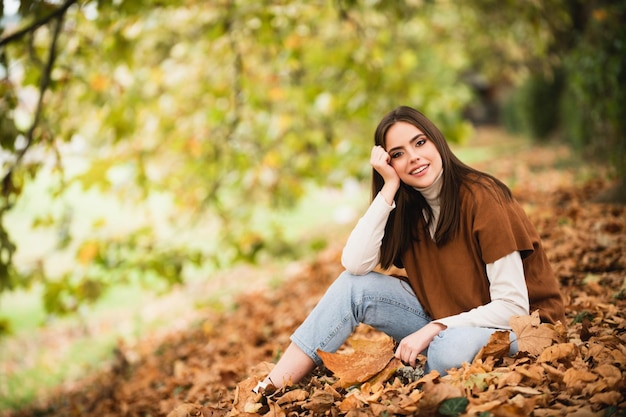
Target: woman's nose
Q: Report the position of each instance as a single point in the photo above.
(414, 154)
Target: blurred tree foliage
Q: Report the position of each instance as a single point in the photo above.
(578, 91)
(233, 105)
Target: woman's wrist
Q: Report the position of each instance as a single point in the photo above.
(437, 327)
(389, 191)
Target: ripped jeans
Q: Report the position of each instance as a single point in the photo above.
(389, 305)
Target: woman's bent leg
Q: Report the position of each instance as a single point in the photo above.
(381, 301)
(454, 346)
(293, 365)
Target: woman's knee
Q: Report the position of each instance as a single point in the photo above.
(343, 284)
(353, 284)
(452, 347)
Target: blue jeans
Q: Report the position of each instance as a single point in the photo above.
(388, 304)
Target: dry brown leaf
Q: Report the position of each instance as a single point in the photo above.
(389, 409)
(252, 407)
(518, 406)
(196, 410)
(523, 390)
(411, 401)
(611, 375)
(185, 410)
(293, 396)
(608, 398)
(246, 400)
(555, 353)
(350, 402)
(391, 368)
(368, 391)
(576, 379)
(275, 410)
(332, 391)
(581, 411)
(534, 373)
(368, 358)
(435, 394)
(532, 335)
(510, 379)
(554, 374)
(497, 347)
(320, 402)
(481, 407)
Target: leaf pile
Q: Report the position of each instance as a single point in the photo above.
(576, 369)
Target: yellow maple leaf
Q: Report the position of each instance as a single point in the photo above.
(532, 335)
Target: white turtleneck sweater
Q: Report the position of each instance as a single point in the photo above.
(507, 284)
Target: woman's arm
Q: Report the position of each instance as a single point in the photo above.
(509, 297)
(362, 251)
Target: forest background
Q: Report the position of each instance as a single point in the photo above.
(147, 144)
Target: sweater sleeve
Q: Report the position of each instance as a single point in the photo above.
(362, 251)
(509, 297)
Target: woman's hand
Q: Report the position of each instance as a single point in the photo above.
(415, 343)
(381, 162)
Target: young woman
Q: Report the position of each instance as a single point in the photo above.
(472, 259)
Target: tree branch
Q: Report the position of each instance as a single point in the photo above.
(37, 24)
(43, 87)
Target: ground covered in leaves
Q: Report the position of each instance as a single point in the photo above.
(577, 369)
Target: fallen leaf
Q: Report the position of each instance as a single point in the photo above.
(608, 398)
(435, 394)
(555, 353)
(389, 370)
(576, 379)
(498, 346)
(185, 410)
(480, 381)
(245, 398)
(510, 379)
(532, 335)
(583, 412)
(292, 396)
(611, 375)
(320, 402)
(275, 410)
(350, 402)
(518, 406)
(524, 390)
(478, 408)
(535, 373)
(252, 407)
(368, 358)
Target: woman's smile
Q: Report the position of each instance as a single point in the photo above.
(420, 170)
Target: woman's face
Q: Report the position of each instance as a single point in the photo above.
(413, 155)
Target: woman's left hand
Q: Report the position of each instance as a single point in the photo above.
(415, 343)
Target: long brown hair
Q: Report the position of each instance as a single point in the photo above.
(401, 227)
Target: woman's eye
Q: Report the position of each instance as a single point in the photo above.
(420, 142)
(396, 155)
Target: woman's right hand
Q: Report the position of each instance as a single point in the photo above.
(381, 162)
